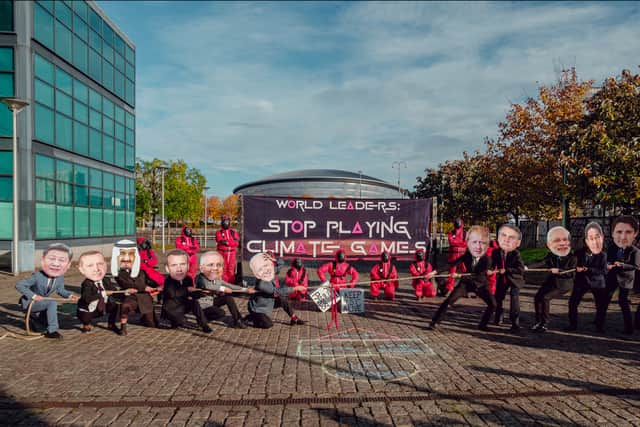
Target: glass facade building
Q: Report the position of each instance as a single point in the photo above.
(76, 139)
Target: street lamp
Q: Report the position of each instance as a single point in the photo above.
(15, 105)
(563, 140)
(360, 184)
(206, 215)
(163, 168)
(399, 163)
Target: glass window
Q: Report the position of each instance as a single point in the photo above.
(6, 85)
(108, 225)
(45, 221)
(64, 81)
(108, 108)
(65, 221)
(129, 139)
(107, 181)
(95, 119)
(80, 112)
(130, 121)
(6, 122)
(119, 45)
(108, 149)
(43, 69)
(44, 124)
(80, 7)
(95, 197)
(45, 190)
(108, 126)
(80, 28)
(64, 193)
(6, 220)
(120, 183)
(64, 103)
(6, 162)
(81, 175)
(95, 100)
(45, 167)
(118, 201)
(95, 65)
(80, 58)
(81, 195)
(107, 75)
(6, 188)
(42, 26)
(107, 53)
(63, 13)
(129, 71)
(129, 92)
(129, 54)
(95, 178)
(119, 63)
(43, 93)
(6, 59)
(131, 222)
(119, 153)
(130, 161)
(107, 33)
(95, 144)
(63, 41)
(119, 132)
(80, 92)
(95, 42)
(95, 219)
(118, 84)
(64, 171)
(95, 21)
(47, 4)
(81, 222)
(80, 138)
(120, 223)
(6, 19)
(119, 115)
(64, 132)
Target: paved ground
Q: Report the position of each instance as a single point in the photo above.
(381, 368)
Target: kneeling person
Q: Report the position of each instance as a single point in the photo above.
(210, 279)
(268, 296)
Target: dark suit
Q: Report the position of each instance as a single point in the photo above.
(89, 304)
(591, 280)
(177, 302)
(511, 280)
(477, 283)
(555, 285)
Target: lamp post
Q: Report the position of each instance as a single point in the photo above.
(206, 215)
(360, 183)
(399, 163)
(163, 168)
(15, 105)
(564, 126)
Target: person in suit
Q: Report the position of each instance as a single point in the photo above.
(478, 264)
(55, 262)
(95, 290)
(509, 273)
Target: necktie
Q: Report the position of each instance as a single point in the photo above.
(101, 302)
(620, 254)
(49, 285)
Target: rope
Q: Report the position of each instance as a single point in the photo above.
(399, 279)
(28, 335)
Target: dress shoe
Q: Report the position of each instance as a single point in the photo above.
(53, 335)
(115, 329)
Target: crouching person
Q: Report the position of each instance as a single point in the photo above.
(268, 296)
(178, 289)
(95, 290)
(56, 260)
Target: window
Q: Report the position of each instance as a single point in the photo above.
(64, 136)
(64, 103)
(43, 69)
(64, 221)
(95, 222)
(6, 188)
(95, 65)
(63, 14)
(80, 91)
(43, 93)
(80, 54)
(6, 163)
(45, 221)
(63, 41)
(64, 81)
(80, 112)
(81, 222)
(80, 138)
(44, 124)
(95, 144)
(6, 17)
(80, 7)
(6, 220)
(6, 89)
(43, 25)
(45, 167)
(80, 28)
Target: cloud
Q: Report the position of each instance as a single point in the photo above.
(246, 90)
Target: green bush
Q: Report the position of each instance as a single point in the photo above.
(530, 255)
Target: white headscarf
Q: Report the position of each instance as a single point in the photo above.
(115, 253)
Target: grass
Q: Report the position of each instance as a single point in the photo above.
(530, 255)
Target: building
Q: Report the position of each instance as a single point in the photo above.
(320, 183)
(76, 139)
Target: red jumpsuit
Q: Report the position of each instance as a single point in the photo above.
(493, 245)
(191, 246)
(457, 248)
(423, 287)
(297, 277)
(338, 272)
(384, 275)
(227, 241)
(148, 261)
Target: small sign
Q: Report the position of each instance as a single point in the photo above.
(322, 298)
(352, 300)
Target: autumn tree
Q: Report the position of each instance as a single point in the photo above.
(183, 192)
(214, 208)
(230, 207)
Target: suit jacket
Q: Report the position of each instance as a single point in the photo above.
(560, 281)
(513, 266)
(595, 276)
(263, 301)
(625, 275)
(478, 272)
(89, 294)
(36, 284)
(144, 300)
(175, 298)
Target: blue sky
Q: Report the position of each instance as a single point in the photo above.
(242, 91)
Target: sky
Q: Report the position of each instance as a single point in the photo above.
(242, 91)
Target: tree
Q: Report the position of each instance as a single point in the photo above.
(183, 192)
(214, 206)
(148, 189)
(230, 207)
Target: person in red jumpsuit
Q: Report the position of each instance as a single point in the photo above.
(457, 248)
(297, 275)
(228, 240)
(338, 271)
(189, 243)
(419, 269)
(148, 262)
(493, 245)
(384, 275)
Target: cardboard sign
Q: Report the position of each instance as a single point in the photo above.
(322, 298)
(352, 300)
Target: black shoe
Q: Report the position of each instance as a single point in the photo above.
(571, 328)
(514, 328)
(240, 324)
(206, 329)
(123, 329)
(484, 328)
(53, 335)
(541, 328)
(115, 329)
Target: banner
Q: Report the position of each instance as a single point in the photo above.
(316, 228)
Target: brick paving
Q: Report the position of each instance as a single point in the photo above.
(381, 368)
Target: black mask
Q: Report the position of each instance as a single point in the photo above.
(341, 257)
(419, 256)
(225, 224)
(187, 232)
(145, 245)
(457, 223)
(297, 263)
(385, 257)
